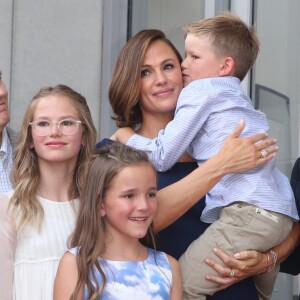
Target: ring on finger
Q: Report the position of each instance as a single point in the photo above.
(263, 153)
(232, 273)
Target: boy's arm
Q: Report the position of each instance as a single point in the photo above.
(236, 155)
(171, 142)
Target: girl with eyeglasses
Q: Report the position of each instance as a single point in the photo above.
(56, 141)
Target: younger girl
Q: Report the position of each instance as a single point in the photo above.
(56, 142)
(109, 258)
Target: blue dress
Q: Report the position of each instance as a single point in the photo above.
(176, 238)
(148, 279)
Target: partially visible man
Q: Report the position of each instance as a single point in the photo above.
(7, 140)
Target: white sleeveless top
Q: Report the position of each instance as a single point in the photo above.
(37, 254)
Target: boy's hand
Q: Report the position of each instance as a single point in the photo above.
(122, 135)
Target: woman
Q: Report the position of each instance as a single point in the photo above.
(55, 145)
(145, 85)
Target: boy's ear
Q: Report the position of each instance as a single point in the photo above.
(227, 67)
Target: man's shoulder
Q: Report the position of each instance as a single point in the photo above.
(13, 136)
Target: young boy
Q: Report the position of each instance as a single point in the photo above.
(253, 210)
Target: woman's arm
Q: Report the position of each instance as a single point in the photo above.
(236, 155)
(176, 292)
(249, 263)
(7, 250)
(66, 278)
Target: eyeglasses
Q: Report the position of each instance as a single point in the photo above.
(44, 127)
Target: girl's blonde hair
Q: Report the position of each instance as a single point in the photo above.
(26, 174)
(89, 232)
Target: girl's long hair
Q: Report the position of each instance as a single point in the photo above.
(89, 233)
(26, 174)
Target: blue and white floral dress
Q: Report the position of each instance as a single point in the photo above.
(145, 280)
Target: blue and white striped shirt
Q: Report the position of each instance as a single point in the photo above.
(207, 111)
(6, 162)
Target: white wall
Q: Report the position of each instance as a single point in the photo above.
(168, 15)
(50, 42)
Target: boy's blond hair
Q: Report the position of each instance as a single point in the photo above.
(229, 36)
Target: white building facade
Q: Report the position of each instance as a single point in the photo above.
(76, 42)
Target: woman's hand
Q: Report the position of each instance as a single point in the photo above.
(249, 263)
(243, 154)
(242, 265)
